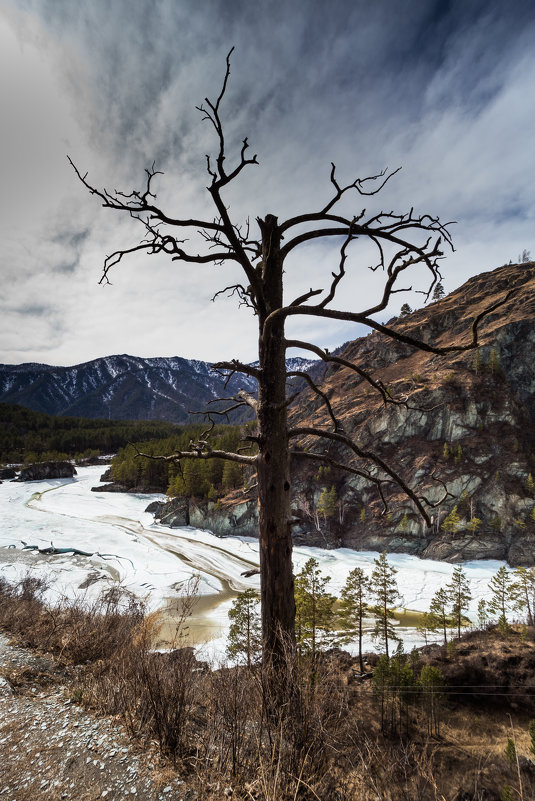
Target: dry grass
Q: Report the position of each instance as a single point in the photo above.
(227, 736)
(76, 633)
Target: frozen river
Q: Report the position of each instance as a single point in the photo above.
(156, 562)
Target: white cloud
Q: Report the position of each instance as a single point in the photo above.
(445, 92)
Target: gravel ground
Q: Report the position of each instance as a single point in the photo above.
(51, 748)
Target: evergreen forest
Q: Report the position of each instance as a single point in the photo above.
(28, 436)
(193, 478)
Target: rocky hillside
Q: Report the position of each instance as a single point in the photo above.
(466, 422)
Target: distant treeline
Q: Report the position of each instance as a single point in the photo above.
(195, 477)
(28, 436)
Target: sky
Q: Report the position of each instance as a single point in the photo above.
(444, 89)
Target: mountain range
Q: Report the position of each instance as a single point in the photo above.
(122, 387)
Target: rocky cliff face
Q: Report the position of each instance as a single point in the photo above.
(465, 424)
(45, 470)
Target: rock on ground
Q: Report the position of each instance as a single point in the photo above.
(51, 748)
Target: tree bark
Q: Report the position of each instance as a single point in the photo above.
(274, 489)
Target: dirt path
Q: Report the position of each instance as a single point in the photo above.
(52, 749)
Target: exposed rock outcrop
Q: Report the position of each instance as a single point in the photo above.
(462, 423)
(114, 487)
(231, 516)
(45, 470)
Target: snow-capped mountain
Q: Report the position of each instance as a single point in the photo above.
(119, 387)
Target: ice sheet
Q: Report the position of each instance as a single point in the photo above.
(154, 561)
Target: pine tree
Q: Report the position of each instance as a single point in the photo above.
(464, 503)
(523, 592)
(474, 524)
(176, 486)
(510, 751)
(438, 610)
(314, 615)
(482, 614)
(403, 685)
(451, 522)
(405, 310)
(458, 591)
(232, 476)
(384, 588)
(427, 625)
(432, 684)
(245, 635)
(353, 607)
(494, 362)
(381, 683)
(327, 502)
(500, 586)
(438, 292)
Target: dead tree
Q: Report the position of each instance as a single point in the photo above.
(402, 241)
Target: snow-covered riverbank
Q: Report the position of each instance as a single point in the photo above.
(155, 562)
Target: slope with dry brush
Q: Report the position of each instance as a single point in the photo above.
(209, 727)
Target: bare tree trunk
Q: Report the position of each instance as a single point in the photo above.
(385, 627)
(277, 584)
(361, 662)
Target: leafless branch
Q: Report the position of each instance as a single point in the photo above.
(220, 177)
(417, 343)
(344, 467)
(176, 458)
(447, 494)
(393, 333)
(139, 205)
(357, 185)
(312, 384)
(249, 400)
(242, 293)
(303, 298)
(329, 358)
(238, 367)
(209, 413)
(337, 277)
(343, 439)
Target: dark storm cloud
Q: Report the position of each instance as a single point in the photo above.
(73, 239)
(440, 87)
(33, 309)
(143, 54)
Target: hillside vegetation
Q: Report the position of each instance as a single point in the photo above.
(458, 428)
(435, 724)
(28, 436)
(193, 478)
(460, 422)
